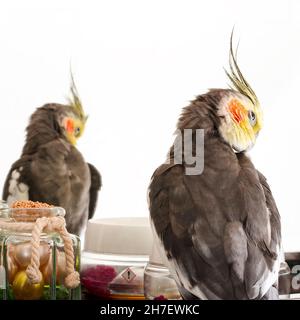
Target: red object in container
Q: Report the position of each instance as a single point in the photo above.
(96, 280)
(161, 297)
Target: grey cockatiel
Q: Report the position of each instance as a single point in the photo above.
(51, 169)
(219, 230)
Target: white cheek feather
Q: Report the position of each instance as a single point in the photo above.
(16, 190)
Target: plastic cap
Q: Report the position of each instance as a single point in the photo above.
(128, 236)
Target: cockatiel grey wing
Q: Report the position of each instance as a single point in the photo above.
(16, 186)
(274, 213)
(206, 228)
(31, 177)
(96, 184)
(74, 186)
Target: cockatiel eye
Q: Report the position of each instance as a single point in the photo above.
(252, 118)
(77, 132)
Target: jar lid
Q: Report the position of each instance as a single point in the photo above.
(131, 236)
(32, 214)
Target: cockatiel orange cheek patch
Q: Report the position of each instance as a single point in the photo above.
(237, 110)
(70, 125)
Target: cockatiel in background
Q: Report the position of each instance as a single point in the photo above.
(51, 169)
(219, 231)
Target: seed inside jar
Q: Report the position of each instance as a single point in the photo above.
(26, 210)
(30, 204)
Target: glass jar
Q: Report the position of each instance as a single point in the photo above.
(3, 209)
(293, 261)
(159, 283)
(284, 281)
(115, 254)
(47, 260)
(3, 204)
(3, 213)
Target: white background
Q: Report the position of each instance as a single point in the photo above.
(136, 64)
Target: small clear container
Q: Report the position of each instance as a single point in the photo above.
(115, 255)
(159, 283)
(284, 281)
(292, 280)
